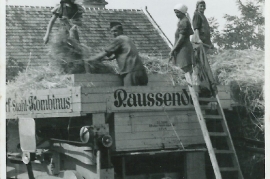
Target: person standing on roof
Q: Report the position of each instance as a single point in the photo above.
(123, 49)
(65, 49)
(201, 26)
(182, 51)
(70, 16)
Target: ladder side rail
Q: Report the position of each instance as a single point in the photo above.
(229, 138)
(204, 128)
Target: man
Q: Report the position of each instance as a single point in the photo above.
(123, 49)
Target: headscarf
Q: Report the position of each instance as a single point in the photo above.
(182, 8)
(199, 2)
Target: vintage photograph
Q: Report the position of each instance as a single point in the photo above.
(135, 89)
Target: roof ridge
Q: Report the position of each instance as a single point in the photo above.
(95, 8)
(23, 6)
(86, 8)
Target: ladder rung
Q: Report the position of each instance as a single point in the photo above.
(218, 134)
(213, 117)
(228, 169)
(208, 99)
(224, 152)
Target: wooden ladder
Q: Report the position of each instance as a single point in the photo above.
(212, 138)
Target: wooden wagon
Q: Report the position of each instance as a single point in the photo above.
(108, 131)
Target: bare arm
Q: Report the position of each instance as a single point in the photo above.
(49, 29)
(112, 57)
(197, 37)
(177, 44)
(98, 57)
(108, 52)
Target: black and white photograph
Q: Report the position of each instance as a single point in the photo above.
(134, 89)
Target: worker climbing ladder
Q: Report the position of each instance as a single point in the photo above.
(220, 135)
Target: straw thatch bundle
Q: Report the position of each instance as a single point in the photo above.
(68, 55)
(244, 72)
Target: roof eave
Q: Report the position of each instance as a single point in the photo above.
(157, 27)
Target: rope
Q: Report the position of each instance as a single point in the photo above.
(174, 129)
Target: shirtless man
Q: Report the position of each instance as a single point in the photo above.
(123, 49)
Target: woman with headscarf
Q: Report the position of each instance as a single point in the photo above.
(182, 51)
(201, 26)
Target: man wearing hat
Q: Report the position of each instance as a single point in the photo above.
(123, 49)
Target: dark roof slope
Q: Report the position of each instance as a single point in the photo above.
(26, 26)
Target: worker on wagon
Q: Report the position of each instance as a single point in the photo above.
(182, 51)
(123, 49)
(202, 43)
(64, 47)
(201, 26)
(70, 16)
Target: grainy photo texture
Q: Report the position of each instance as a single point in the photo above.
(124, 89)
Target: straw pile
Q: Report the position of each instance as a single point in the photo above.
(161, 66)
(68, 55)
(244, 72)
(53, 75)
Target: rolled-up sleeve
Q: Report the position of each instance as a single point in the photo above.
(114, 46)
(197, 21)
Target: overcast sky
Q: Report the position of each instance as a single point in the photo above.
(161, 10)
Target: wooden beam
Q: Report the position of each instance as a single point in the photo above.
(195, 165)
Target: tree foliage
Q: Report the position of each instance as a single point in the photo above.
(243, 32)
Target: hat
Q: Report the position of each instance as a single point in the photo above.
(64, 1)
(115, 25)
(181, 7)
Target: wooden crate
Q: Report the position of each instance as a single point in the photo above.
(85, 100)
(62, 102)
(153, 130)
(98, 98)
(110, 80)
(102, 99)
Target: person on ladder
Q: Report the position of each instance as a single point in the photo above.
(201, 26)
(201, 42)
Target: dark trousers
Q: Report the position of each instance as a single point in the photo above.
(135, 78)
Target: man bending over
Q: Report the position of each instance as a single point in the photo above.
(123, 49)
